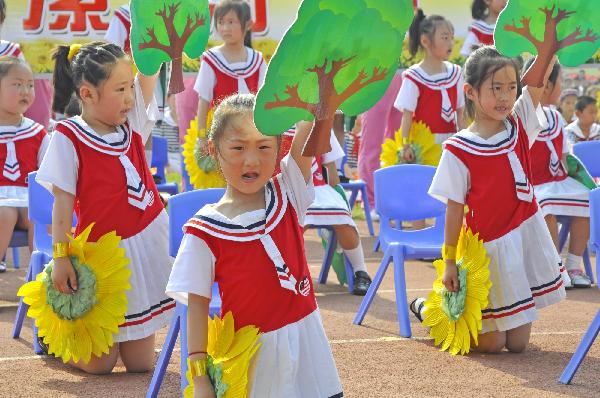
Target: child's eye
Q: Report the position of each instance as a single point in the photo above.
(237, 148)
(264, 147)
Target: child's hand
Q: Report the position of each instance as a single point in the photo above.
(203, 387)
(409, 154)
(64, 277)
(450, 278)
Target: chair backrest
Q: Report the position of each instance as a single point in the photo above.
(589, 154)
(160, 156)
(595, 219)
(401, 193)
(182, 207)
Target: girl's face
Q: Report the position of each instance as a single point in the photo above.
(568, 105)
(588, 116)
(16, 90)
(110, 102)
(496, 96)
(246, 157)
(230, 28)
(496, 6)
(443, 41)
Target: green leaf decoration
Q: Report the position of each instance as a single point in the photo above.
(162, 30)
(338, 54)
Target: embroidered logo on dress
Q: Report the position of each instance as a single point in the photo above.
(304, 286)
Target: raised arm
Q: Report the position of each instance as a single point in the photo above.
(531, 79)
(147, 85)
(304, 163)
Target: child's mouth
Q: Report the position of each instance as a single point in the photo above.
(501, 109)
(249, 177)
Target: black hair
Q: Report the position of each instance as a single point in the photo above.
(422, 25)
(2, 11)
(243, 12)
(479, 9)
(583, 102)
(553, 77)
(92, 63)
(231, 107)
(73, 108)
(482, 64)
(8, 62)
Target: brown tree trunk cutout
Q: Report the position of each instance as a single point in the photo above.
(174, 49)
(550, 44)
(329, 101)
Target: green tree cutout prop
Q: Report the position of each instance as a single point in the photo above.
(338, 54)
(161, 30)
(548, 27)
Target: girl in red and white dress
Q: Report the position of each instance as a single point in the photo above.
(96, 165)
(251, 243)
(22, 146)
(233, 67)
(119, 28)
(558, 194)
(432, 90)
(487, 168)
(481, 31)
(585, 127)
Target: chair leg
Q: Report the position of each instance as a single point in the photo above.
(581, 351)
(38, 267)
(368, 299)
(352, 199)
(367, 209)
(349, 274)
(400, 287)
(329, 251)
(183, 345)
(588, 265)
(563, 234)
(16, 261)
(376, 245)
(22, 309)
(164, 357)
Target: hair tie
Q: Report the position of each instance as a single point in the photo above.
(73, 50)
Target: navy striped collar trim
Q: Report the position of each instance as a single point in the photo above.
(483, 27)
(474, 144)
(252, 65)
(449, 80)
(90, 138)
(554, 125)
(27, 128)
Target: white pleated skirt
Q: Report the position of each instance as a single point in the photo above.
(328, 208)
(148, 308)
(563, 198)
(295, 362)
(526, 274)
(11, 196)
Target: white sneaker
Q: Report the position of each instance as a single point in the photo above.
(2, 267)
(579, 279)
(374, 215)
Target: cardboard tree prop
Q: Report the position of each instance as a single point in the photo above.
(161, 30)
(338, 54)
(546, 28)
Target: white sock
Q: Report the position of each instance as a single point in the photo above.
(573, 262)
(357, 258)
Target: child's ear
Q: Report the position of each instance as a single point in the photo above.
(469, 92)
(249, 26)
(87, 94)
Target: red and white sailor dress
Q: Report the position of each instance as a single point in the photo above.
(119, 27)
(480, 33)
(22, 148)
(259, 262)
(492, 177)
(556, 192)
(575, 135)
(113, 188)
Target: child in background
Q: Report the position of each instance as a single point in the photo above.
(585, 127)
(481, 32)
(568, 99)
(96, 165)
(23, 143)
(558, 194)
(251, 243)
(432, 90)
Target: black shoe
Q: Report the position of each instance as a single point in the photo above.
(43, 345)
(416, 306)
(362, 281)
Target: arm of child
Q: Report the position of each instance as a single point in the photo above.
(454, 220)
(197, 332)
(300, 138)
(332, 174)
(63, 273)
(203, 106)
(147, 85)
(407, 118)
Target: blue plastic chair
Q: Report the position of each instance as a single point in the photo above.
(594, 328)
(329, 252)
(160, 160)
(17, 240)
(588, 152)
(181, 208)
(401, 194)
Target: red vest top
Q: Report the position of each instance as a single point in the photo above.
(102, 193)
(124, 16)
(483, 32)
(284, 149)
(227, 78)
(494, 209)
(540, 153)
(430, 98)
(249, 282)
(10, 49)
(27, 139)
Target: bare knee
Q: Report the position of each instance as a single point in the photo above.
(491, 343)
(516, 347)
(98, 365)
(138, 355)
(347, 236)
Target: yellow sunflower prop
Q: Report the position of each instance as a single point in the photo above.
(229, 356)
(201, 167)
(422, 142)
(455, 318)
(74, 326)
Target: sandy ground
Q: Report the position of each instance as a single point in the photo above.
(373, 361)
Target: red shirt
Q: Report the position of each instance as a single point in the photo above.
(483, 32)
(27, 139)
(540, 153)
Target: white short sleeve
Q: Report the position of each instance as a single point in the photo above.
(408, 97)
(300, 193)
(262, 72)
(566, 148)
(451, 179)
(337, 152)
(60, 165)
(533, 119)
(470, 41)
(43, 149)
(205, 82)
(141, 118)
(116, 32)
(193, 270)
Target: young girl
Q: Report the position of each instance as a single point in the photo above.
(22, 146)
(251, 243)
(233, 67)
(431, 85)
(568, 99)
(481, 32)
(96, 165)
(486, 167)
(585, 127)
(558, 194)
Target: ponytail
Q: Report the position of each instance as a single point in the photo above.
(479, 9)
(62, 80)
(414, 33)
